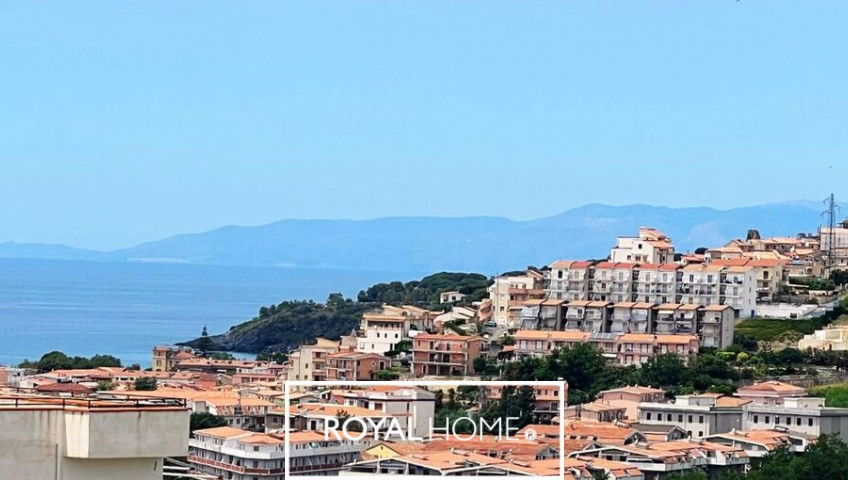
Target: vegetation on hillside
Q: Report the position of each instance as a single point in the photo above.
(834, 395)
(772, 329)
(56, 360)
(425, 292)
(824, 459)
(284, 326)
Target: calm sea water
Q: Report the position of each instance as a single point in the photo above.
(124, 309)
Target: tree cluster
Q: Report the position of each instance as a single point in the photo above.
(60, 361)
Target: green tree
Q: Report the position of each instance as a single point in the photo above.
(145, 384)
(200, 421)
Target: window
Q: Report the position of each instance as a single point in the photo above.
(680, 418)
(810, 422)
(701, 433)
(668, 417)
(767, 419)
(690, 418)
(701, 419)
(648, 416)
(756, 419)
(798, 421)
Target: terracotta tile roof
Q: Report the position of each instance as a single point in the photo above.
(771, 387)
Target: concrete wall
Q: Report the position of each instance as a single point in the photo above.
(35, 444)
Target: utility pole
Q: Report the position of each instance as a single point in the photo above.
(830, 216)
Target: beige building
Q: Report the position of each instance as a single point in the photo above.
(650, 246)
(309, 362)
(509, 293)
(42, 438)
(830, 338)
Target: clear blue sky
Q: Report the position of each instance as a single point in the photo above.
(129, 121)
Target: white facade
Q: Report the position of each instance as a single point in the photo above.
(651, 246)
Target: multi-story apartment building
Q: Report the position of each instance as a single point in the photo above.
(400, 401)
(630, 397)
(626, 349)
(543, 314)
(166, 357)
(569, 280)
(445, 355)
(716, 326)
(237, 454)
(800, 415)
(696, 284)
(309, 362)
(637, 348)
(699, 415)
(381, 331)
(632, 317)
(650, 246)
(355, 366)
(65, 439)
(509, 293)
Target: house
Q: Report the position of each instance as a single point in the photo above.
(309, 362)
(831, 338)
(759, 443)
(649, 246)
(770, 392)
(445, 355)
(637, 348)
(597, 411)
(629, 397)
(355, 366)
(716, 326)
(451, 297)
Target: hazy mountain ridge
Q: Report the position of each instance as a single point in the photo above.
(484, 244)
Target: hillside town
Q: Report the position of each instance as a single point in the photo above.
(643, 304)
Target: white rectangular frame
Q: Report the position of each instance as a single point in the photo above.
(413, 383)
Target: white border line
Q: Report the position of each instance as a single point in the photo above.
(414, 383)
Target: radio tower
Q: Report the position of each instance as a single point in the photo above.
(830, 215)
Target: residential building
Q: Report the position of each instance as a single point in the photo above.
(597, 411)
(548, 399)
(637, 348)
(309, 362)
(630, 398)
(699, 415)
(803, 416)
(445, 354)
(64, 439)
(355, 366)
(649, 246)
(166, 357)
(837, 238)
(716, 326)
(536, 343)
(12, 376)
(380, 332)
(509, 293)
(569, 280)
(759, 443)
(833, 338)
(632, 317)
(237, 454)
(542, 314)
(397, 401)
(451, 297)
(770, 392)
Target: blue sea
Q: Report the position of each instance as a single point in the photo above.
(124, 309)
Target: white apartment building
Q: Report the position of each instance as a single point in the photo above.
(699, 415)
(381, 331)
(694, 284)
(650, 246)
(800, 415)
(414, 403)
(236, 454)
(63, 439)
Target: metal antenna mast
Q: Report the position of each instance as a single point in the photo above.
(830, 215)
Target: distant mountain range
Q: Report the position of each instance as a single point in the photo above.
(431, 244)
